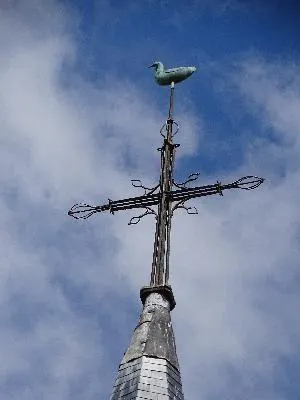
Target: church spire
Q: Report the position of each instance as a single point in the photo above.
(150, 368)
(150, 365)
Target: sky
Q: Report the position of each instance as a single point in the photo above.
(80, 116)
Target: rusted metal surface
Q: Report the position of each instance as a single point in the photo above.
(160, 262)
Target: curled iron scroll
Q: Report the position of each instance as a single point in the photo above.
(164, 129)
(191, 178)
(136, 220)
(189, 210)
(138, 184)
(248, 182)
(82, 211)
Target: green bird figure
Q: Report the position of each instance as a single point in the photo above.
(166, 76)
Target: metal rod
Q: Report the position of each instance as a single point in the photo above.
(159, 274)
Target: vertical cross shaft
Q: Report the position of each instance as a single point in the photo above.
(161, 253)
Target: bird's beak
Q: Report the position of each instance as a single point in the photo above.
(150, 66)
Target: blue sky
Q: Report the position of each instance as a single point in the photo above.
(80, 116)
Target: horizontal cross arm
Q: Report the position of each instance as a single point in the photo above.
(84, 211)
(184, 194)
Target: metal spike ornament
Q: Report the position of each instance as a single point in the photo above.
(162, 195)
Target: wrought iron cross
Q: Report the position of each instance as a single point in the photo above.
(166, 199)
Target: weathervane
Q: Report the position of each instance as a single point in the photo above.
(163, 195)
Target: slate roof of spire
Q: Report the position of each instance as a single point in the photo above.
(150, 368)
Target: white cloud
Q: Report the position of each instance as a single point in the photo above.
(60, 145)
